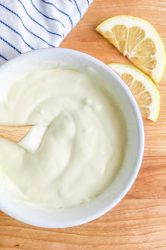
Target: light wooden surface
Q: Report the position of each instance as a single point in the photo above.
(138, 222)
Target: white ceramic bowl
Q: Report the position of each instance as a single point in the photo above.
(134, 146)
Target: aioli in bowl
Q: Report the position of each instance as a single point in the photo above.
(82, 148)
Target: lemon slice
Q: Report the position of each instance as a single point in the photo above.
(144, 90)
(138, 40)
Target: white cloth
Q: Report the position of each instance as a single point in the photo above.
(32, 24)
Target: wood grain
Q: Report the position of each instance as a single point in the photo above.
(138, 222)
(14, 133)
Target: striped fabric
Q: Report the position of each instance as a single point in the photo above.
(31, 24)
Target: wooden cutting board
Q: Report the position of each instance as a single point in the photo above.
(139, 220)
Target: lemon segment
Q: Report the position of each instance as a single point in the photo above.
(144, 90)
(138, 40)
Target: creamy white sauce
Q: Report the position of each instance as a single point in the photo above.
(77, 156)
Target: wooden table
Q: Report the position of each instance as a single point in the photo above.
(139, 220)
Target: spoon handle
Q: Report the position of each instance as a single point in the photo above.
(14, 133)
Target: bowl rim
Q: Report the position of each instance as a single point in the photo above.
(140, 127)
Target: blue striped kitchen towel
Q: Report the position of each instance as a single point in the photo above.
(32, 24)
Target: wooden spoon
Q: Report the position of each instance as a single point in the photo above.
(28, 137)
(14, 133)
